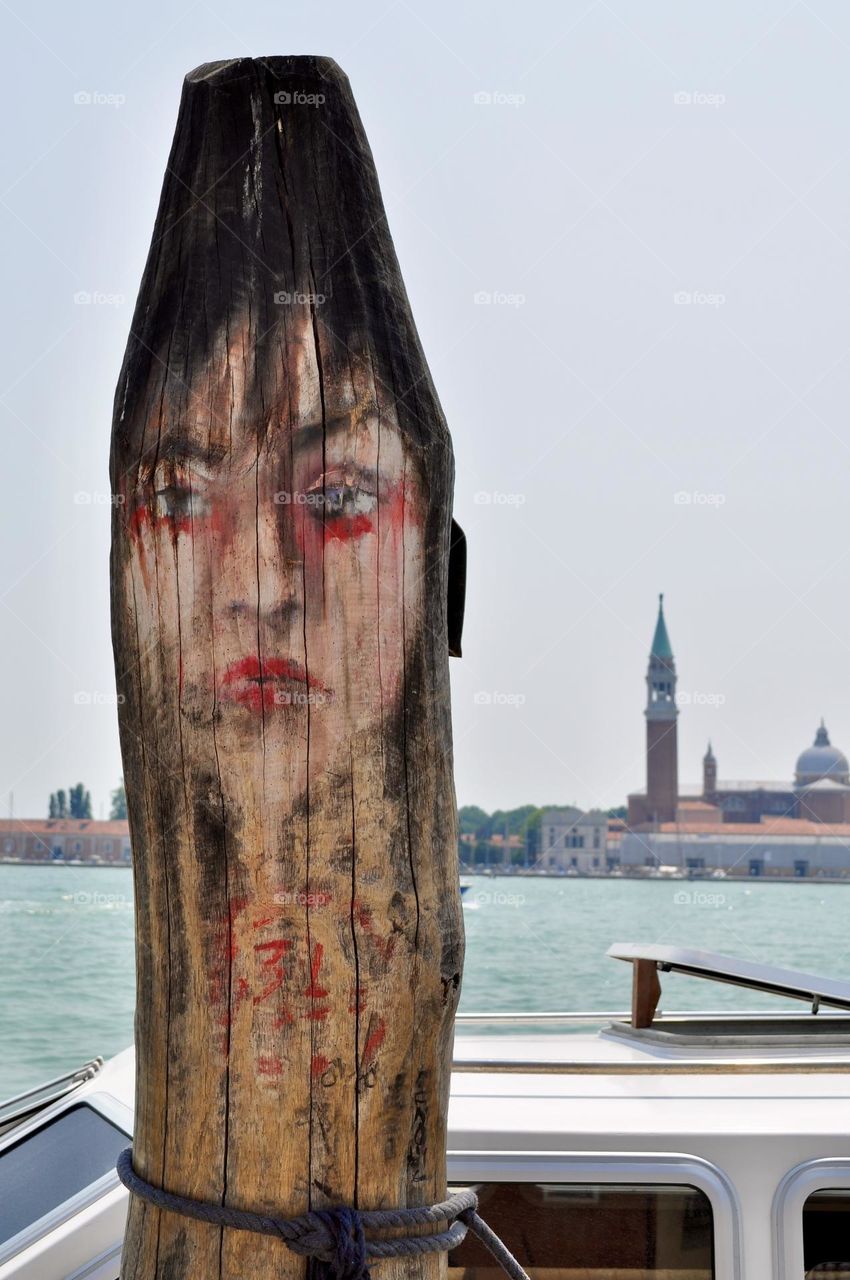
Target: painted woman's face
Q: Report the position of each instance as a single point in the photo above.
(277, 572)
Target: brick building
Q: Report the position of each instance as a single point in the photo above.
(65, 840)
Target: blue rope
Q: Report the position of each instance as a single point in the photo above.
(340, 1240)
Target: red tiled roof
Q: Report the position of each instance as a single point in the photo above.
(769, 827)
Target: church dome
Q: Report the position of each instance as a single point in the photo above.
(822, 760)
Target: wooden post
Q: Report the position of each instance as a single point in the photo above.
(280, 569)
(646, 992)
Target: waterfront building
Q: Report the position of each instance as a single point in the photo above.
(573, 839)
(794, 827)
(775, 847)
(818, 792)
(65, 840)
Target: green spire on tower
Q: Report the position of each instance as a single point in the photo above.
(661, 647)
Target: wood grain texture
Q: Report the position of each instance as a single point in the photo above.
(279, 596)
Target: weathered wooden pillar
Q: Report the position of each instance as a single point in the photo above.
(280, 568)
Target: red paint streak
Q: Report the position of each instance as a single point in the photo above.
(319, 1065)
(314, 991)
(346, 528)
(283, 1019)
(269, 1065)
(142, 517)
(375, 1040)
(243, 991)
(273, 961)
(258, 924)
(266, 684)
(139, 517)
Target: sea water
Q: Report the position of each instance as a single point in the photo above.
(532, 944)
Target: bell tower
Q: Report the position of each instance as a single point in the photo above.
(709, 775)
(662, 754)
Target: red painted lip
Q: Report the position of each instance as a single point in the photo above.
(268, 684)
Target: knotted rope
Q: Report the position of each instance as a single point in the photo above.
(337, 1238)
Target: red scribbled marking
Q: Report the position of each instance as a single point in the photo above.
(269, 1065)
(314, 991)
(319, 1065)
(384, 946)
(259, 924)
(243, 990)
(283, 1019)
(317, 1015)
(277, 949)
(375, 1040)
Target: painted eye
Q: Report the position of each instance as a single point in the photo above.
(180, 504)
(348, 500)
(342, 498)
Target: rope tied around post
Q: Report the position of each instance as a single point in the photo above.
(341, 1240)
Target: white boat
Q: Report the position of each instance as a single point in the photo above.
(636, 1146)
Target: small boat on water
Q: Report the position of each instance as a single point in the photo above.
(602, 1146)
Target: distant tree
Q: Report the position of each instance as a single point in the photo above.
(470, 818)
(80, 802)
(61, 804)
(51, 806)
(619, 811)
(118, 807)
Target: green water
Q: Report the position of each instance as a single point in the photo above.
(66, 950)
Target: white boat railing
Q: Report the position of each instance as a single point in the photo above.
(547, 1018)
(17, 1108)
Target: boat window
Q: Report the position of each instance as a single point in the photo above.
(593, 1232)
(50, 1165)
(826, 1235)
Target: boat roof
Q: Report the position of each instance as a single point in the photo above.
(790, 983)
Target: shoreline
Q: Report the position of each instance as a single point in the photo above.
(520, 874)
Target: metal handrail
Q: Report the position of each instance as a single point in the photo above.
(23, 1104)
(592, 1015)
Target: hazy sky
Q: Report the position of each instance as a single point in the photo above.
(655, 199)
